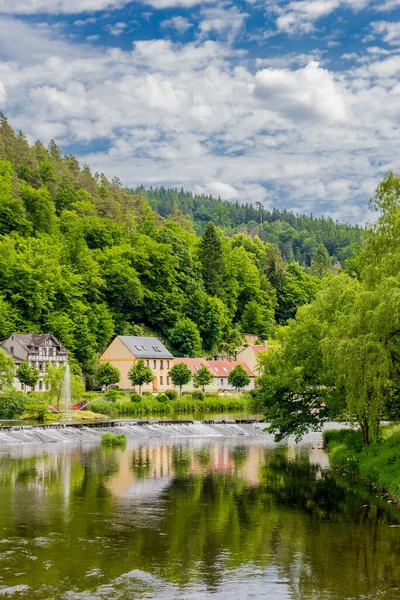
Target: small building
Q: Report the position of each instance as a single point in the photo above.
(125, 350)
(220, 370)
(39, 350)
(194, 365)
(250, 354)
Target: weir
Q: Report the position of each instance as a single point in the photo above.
(91, 432)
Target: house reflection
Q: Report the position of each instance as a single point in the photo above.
(148, 469)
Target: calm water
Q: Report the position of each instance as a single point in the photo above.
(192, 520)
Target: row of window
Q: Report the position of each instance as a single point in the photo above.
(154, 364)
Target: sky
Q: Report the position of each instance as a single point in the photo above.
(292, 104)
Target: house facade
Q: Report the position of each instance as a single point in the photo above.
(39, 350)
(220, 370)
(250, 354)
(125, 350)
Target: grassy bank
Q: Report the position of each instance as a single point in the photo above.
(149, 405)
(378, 464)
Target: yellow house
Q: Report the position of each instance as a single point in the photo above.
(124, 351)
(250, 354)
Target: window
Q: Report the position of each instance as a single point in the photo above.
(167, 380)
(196, 367)
(138, 347)
(222, 381)
(40, 385)
(144, 348)
(161, 364)
(215, 369)
(161, 380)
(167, 364)
(154, 364)
(225, 370)
(147, 363)
(12, 349)
(40, 366)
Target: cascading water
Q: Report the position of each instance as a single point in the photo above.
(66, 390)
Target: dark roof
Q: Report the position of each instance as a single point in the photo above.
(145, 347)
(35, 340)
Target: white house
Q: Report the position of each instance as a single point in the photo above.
(39, 350)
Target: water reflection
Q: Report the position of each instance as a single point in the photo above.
(192, 520)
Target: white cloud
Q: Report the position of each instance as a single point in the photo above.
(308, 93)
(116, 29)
(390, 31)
(218, 189)
(3, 94)
(221, 21)
(191, 115)
(30, 7)
(81, 23)
(179, 23)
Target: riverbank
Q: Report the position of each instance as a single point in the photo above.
(377, 464)
(151, 405)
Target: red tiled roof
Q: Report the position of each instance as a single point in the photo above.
(258, 349)
(192, 363)
(222, 368)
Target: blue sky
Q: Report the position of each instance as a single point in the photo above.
(294, 104)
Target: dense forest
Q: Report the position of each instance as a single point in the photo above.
(297, 237)
(85, 258)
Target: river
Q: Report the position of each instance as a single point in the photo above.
(191, 519)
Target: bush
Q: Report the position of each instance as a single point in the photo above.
(171, 394)
(135, 397)
(12, 404)
(113, 440)
(112, 395)
(147, 394)
(162, 398)
(103, 407)
(198, 395)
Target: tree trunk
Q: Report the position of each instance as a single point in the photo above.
(140, 390)
(365, 431)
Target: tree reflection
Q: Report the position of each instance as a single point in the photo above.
(187, 513)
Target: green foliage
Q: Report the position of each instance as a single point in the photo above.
(27, 374)
(113, 440)
(185, 337)
(12, 404)
(239, 377)
(202, 378)
(321, 263)
(107, 374)
(162, 398)
(149, 405)
(7, 370)
(135, 397)
(378, 463)
(85, 258)
(171, 394)
(54, 378)
(180, 375)
(198, 395)
(111, 395)
(139, 374)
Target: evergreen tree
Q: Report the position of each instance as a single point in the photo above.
(212, 260)
(321, 263)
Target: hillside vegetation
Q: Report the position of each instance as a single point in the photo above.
(85, 258)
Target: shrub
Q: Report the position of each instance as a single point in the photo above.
(147, 394)
(112, 395)
(113, 440)
(198, 395)
(12, 404)
(135, 397)
(162, 398)
(102, 407)
(171, 394)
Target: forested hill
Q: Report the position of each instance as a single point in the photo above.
(85, 259)
(297, 236)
